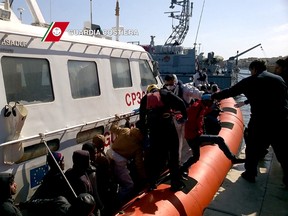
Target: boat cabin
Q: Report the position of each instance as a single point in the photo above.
(62, 92)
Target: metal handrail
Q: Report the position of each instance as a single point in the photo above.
(122, 116)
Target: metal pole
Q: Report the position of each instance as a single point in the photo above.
(62, 173)
(90, 14)
(117, 20)
(21, 12)
(50, 13)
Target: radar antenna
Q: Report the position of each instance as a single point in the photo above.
(180, 31)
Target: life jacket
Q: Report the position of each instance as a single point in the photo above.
(154, 101)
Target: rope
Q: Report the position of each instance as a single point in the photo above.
(199, 22)
(228, 113)
(42, 136)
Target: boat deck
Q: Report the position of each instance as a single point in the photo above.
(266, 197)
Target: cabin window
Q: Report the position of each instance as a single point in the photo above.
(39, 149)
(87, 135)
(146, 73)
(27, 80)
(121, 74)
(84, 80)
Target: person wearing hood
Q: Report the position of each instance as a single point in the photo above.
(53, 183)
(77, 175)
(8, 187)
(92, 174)
(107, 186)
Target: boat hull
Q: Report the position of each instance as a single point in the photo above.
(205, 176)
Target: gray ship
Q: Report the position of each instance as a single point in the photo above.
(173, 58)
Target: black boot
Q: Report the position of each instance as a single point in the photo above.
(177, 186)
(248, 177)
(184, 172)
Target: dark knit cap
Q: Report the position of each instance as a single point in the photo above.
(81, 159)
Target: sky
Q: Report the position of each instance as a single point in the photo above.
(227, 26)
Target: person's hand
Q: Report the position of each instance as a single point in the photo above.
(213, 97)
(179, 118)
(137, 110)
(239, 104)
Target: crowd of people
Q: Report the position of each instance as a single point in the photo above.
(100, 182)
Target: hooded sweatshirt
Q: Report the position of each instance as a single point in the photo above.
(7, 207)
(77, 175)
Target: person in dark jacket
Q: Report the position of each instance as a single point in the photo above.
(77, 175)
(53, 183)
(156, 121)
(281, 69)
(108, 187)
(83, 205)
(82, 177)
(269, 119)
(92, 174)
(8, 187)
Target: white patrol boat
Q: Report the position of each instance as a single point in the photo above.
(60, 93)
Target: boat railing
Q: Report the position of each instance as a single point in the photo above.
(40, 135)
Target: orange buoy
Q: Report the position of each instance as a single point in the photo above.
(205, 176)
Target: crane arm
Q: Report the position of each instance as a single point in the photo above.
(236, 56)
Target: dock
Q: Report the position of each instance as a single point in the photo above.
(237, 197)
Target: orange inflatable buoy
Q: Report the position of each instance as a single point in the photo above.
(205, 176)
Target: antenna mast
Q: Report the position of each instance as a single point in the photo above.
(199, 24)
(117, 10)
(180, 31)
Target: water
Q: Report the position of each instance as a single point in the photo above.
(246, 108)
